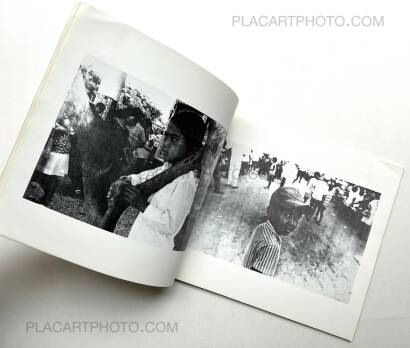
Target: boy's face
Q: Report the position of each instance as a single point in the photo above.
(284, 220)
(174, 148)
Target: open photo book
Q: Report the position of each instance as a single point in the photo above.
(131, 163)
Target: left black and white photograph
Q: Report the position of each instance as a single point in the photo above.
(127, 158)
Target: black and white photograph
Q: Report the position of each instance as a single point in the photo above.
(256, 171)
(126, 158)
(297, 224)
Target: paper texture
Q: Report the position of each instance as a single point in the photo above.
(90, 33)
(324, 267)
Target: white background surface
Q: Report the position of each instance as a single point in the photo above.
(280, 75)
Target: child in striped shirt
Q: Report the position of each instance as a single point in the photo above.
(283, 214)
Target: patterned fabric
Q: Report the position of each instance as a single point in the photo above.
(61, 142)
(327, 200)
(263, 250)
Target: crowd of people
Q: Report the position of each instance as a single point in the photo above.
(354, 204)
(62, 156)
(158, 177)
(300, 191)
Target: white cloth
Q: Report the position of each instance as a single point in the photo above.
(57, 164)
(359, 198)
(290, 172)
(373, 208)
(321, 189)
(234, 166)
(353, 196)
(311, 185)
(167, 209)
(272, 169)
(250, 158)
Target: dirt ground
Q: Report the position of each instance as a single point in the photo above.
(319, 258)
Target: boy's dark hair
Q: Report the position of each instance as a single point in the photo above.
(274, 159)
(192, 127)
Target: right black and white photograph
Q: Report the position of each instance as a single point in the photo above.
(284, 220)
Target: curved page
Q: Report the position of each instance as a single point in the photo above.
(293, 227)
(119, 144)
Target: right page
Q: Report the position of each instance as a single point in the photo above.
(292, 227)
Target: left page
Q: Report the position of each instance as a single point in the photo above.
(118, 142)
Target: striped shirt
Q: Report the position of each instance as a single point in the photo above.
(263, 250)
(327, 200)
(328, 196)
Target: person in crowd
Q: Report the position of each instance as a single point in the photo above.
(353, 197)
(217, 175)
(302, 174)
(260, 165)
(255, 162)
(234, 165)
(162, 214)
(146, 123)
(290, 171)
(142, 155)
(285, 209)
(75, 166)
(250, 160)
(327, 197)
(136, 132)
(98, 109)
(358, 207)
(319, 189)
(369, 214)
(53, 166)
(338, 195)
(266, 165)
(299, 174)
(279, 170)
(244, 165)
(271, 172)
(311, 186)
